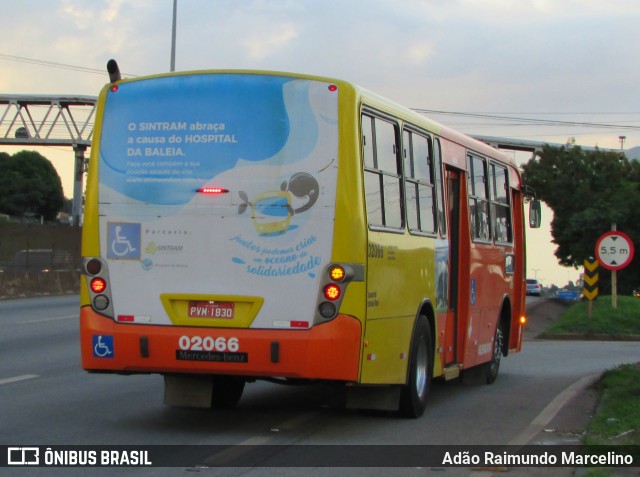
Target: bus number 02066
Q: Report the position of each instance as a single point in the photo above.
(208, 343)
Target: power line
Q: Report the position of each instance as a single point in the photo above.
(528, 121)
(567, 113)
(53, 64)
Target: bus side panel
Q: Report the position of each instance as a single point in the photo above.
(493, 280)
(400, 277)
(488, 284)
(350, 228)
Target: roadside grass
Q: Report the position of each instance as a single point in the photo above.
(617, 419)
(605, 320)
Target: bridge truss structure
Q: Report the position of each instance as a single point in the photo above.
(43, 120)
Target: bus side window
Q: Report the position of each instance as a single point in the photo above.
(419, 187)
(367, 142)
(500, 204)
(478, 199)
(382, 172)
(371, 179)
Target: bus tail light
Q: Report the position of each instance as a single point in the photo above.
(327, 310)
(101, 303)
(523, 320)
(332, 292)
(98, 283)
(212, 190)
(337, 273)
(335, 280)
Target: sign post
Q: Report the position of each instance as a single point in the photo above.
(615, 251)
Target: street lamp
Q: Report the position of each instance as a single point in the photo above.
(173, 36)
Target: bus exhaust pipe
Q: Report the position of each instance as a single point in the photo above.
(114, 71)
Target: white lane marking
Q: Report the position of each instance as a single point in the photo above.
(44, 320)
(16, 379)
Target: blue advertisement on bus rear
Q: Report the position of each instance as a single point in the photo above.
(202, 126)
(218, 183)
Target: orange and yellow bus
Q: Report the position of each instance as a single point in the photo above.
(244, 225)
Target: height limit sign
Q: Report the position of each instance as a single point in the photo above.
(614, 250)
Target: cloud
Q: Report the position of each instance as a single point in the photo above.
(265, 43)
(85, 14)
(82, 15)
(111, 10)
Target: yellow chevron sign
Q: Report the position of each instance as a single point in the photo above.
(590, 295)
(591, 280)
(590, 286)
(590, 265)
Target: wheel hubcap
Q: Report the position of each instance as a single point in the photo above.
(421, 371)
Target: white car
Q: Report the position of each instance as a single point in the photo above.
(534, 287)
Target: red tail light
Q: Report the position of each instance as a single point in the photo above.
(332, 292)
(212, 190)
(98, 285)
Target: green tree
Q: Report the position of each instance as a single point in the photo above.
(588, 191)
(29, 185)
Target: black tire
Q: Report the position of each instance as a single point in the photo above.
(492, 367)
(413, 397)
(227, 391)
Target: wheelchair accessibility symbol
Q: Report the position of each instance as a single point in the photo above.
(103, 346)
(123, 240)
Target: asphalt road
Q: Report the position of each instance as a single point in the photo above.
(47, 399)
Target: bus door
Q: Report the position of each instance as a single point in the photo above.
(452, 181)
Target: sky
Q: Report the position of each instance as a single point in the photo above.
(572, 64)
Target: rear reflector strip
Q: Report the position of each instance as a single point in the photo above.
(133, 319)
(291, 324)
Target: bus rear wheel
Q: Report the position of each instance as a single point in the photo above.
(227, 391)
(492, 367)
(413, 397)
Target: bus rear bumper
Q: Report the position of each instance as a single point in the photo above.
(330, 351)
